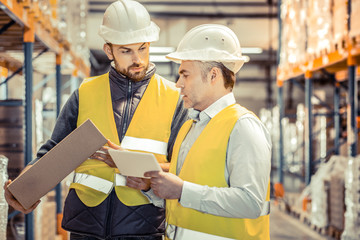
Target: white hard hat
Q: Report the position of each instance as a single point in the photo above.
(127, 22)
(210, 42)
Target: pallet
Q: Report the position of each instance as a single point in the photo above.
(334, 232)
(340, 44)
(303, 216)
(319, 53)
(320, 230)
(355, 40)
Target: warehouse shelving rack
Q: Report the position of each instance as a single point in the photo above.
(341, 62)
(24, 28)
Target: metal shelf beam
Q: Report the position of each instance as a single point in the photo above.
(28, 51)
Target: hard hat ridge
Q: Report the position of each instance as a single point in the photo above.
(127, 22)
(210, 42)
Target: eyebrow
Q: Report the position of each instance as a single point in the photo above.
(183, 71)
(125, 48)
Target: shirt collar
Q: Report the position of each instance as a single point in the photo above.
(214, 108)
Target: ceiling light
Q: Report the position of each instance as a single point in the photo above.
(251, 50)
(162, 49)
(158, 58)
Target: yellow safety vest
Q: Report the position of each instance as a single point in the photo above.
(205, 165)
(149, 131)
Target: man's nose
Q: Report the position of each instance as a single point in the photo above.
(179, 83)
(136, 58)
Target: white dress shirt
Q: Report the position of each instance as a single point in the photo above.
(247, 171)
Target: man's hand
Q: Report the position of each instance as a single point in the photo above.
(138, 183)
(11, 200)
(103, 153)
(165, 185)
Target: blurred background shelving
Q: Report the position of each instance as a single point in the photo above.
(301, 79)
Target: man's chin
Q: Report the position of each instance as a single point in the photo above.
(187, 105)
(138, 76)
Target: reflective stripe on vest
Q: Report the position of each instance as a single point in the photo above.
(152, 121)
(146, 145)
(97, 183)
(209, 152)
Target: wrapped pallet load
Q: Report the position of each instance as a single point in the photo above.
(352, 200)
(319, 27)
(293, 40)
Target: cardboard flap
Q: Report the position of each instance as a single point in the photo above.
(55, 165)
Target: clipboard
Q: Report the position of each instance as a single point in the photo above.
(134, 164)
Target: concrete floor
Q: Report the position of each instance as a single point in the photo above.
(286, 227)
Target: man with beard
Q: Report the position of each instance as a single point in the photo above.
(133, 107)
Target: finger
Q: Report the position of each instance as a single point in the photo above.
(165, 167)
(102, 153)
(134, 184)
(103, 150)
(131, 180)
(29, 210)
(11, 200)
(7, 184)
(101, 156)
(110, 162)
(152, 174)
(156, 192)
(113, 145)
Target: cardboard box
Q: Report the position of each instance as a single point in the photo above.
(54, 166)
(11, 116)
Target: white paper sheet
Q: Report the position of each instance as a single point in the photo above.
(134, 164)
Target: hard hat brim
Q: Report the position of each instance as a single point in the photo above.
(233, 63)
(148, 34)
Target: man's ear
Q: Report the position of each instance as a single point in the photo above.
(214, 74)
(108, 51)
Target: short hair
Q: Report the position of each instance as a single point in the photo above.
(229, 76)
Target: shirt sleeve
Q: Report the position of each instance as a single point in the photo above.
(155, 200)
(65, 124)
(180, 116)
(247, 173)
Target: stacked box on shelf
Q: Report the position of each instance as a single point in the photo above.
(72, 23)
(16, 226)
(322, 134)
(352, 200)
(320, 189)
(292, 147)
(340, 21)
(293, 40)
(12, 137)
(12, 147)
(45, 218)
(319, 27)
(354, 18)
(337, 202)
(3, 204)
(300, 137)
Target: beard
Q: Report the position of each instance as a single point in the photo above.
(135, 76)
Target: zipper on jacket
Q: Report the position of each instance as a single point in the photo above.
(109, 207)
(128, 102)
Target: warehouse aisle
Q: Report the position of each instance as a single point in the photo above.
(286, 227)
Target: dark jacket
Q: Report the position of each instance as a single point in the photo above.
(112, 218)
